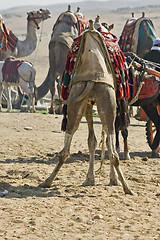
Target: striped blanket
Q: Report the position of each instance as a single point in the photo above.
(7, 39)
(137, 36)
(10, 70)
(82, 23)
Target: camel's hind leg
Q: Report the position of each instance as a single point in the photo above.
(107, 110)
(75, 113)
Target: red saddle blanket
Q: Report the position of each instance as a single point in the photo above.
(149, 88)
(82, 23)
(8, 39)
(10, 70)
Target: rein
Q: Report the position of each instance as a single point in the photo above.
(34, 20)
(39, 40)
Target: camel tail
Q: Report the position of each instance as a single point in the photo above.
(85, 93)
(43, 89)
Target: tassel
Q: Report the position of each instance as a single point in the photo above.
(64, 124)
(64, 110)
(64, 121)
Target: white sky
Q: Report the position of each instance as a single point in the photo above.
(5, 4)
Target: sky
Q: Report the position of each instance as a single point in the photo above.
(14, 3)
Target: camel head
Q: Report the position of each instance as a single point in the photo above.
(45, 13)
(38, 16)
(104, 26)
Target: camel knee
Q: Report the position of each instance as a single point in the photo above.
(114, 160)
(63, 155)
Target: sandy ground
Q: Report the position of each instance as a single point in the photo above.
(28, 154)
(29, 149)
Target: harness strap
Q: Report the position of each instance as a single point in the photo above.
(34, 20)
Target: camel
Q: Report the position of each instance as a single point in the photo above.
(27, 46)
(92, 81)
(66, 28)
(137, 36)
(23, 76)
(143, 76)
(122, 105)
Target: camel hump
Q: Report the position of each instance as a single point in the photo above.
(67, 13)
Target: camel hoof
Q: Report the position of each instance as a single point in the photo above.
(155, 154)
(126, 156)
(114, 183)
(45, 184)
(128, 191)
(89, 183)
(51, 111)
(59, 111)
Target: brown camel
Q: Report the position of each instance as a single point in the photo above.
(92, 80)
(66, 28)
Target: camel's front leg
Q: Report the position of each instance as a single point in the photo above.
(92, 143)
(126, 147)
(52, 91)
(114, 161)
(31, 102)
(9, 99)
(62, 158)
(1, 91)
(102, 146)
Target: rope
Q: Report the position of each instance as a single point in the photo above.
(39, 40)
(130, 84)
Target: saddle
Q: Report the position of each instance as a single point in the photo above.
(149, 88)
(144, 79)
(10, 70)
(137, 35)
(76, 19)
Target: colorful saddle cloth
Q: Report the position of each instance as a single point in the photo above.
(10, 70)
(80, 22)
(7, 38)
(137, 36)
(117, 59)
(149, 89)
(142, 85)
